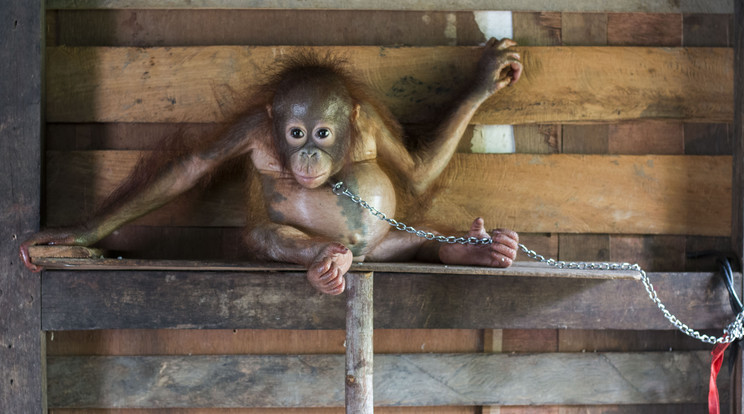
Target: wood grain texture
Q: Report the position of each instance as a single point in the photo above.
(401, 380)
(650, 137)
(652, 6)
(644, 29)
(305, 410)
(625, 191)
(656, 253)
(585, 139)
(208, 84)
(359, 365)
(706, 30)
(132, 342)
(21, 351)
(544, 193)
(584, 29)
(537, 29)
(737, 232)
(708, 139)
(74, 300)
(609, 340)
(537, 139)
(519, 268)
(148, 27)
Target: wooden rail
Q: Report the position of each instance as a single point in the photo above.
(185, 295)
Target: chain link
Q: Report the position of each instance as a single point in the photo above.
(734, 331)
(339, 189)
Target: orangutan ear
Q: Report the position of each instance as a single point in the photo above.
(269, 111)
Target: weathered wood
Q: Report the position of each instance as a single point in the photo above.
(584, 29)
(537, 29)
(653, 6)
(589, 194)
(93, 261)
(584, 247)
(359, 348)
(707, 30)
(525, 192)
(655, 253)
(400, 380)
(585, 139)
(543, 409)
(537, 139)
(708, 139)
(265, 28)
(21, 352)
(644, 29)
(339, 410)
(254, 341)
(633, 138)
(570, 340)
(196, 85)
(737, 231)
(162, 299)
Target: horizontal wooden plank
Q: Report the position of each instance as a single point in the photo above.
(400, 380)
(562, 84)
(590, 193)
(81, 258)
(649, 6)
(132, 342)
(527, 192)
(264, 27)
(80, 300)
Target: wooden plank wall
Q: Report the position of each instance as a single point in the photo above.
(659, 252)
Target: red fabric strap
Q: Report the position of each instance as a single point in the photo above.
(714, 406)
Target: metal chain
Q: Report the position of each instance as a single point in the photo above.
(734, 331)
(339, 189)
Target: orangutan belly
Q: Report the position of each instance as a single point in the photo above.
(320, 212)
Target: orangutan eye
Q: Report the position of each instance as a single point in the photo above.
(296, 133)
(323, 133)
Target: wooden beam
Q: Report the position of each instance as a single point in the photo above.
(562, 84)
(359, 366)
(400, 380)
(737, 231)
(21, 351)
(652, 6)
(69, 258)
(80, 300)
(531, 193)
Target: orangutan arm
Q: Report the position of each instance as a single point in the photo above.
(151, 186)
(498, 67)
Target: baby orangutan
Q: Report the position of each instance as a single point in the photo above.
(313, 125)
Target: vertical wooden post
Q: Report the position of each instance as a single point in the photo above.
(737, 189)
(21, 351)
(359, 349)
